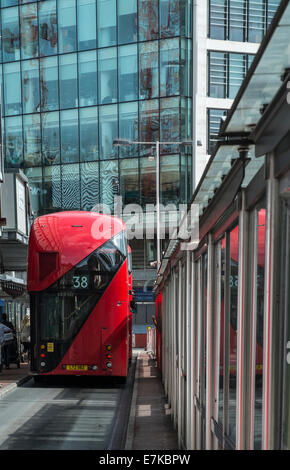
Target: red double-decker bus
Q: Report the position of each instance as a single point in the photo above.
(79, 295)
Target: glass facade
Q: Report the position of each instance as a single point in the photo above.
(76, 74)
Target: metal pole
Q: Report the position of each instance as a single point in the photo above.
(158, 203)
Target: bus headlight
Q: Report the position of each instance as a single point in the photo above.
(109, 365)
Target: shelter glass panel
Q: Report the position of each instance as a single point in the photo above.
(260, 329)
(234, 267)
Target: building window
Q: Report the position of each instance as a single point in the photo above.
(215, 117)
(227, 72)
(240, 20)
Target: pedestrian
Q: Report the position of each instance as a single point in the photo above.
(7, 347)
(25, 336)
(3, 329)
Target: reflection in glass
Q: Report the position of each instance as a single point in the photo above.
(170, 126)
(148, 20)
(50, 138)
(169, 67)
(149, 123)
(89, 134)
(86, 12)
(47, 28)
(13, 142)
(68, 84)
(109, 182)
(129, 181)
(10, 34)
(170, 180)
(66, 25)
(88, 78)
(260, 329)
(128, 78)
(69, 136)
(89, 185)
(106, 22)
(186, 68)
(29, 31)
(51, 188)
(34, 176)
(148, 69)
(49, 84)
(12, 89)
(127, 21)
(107, 82)
(186, 123)
(108, 131)
(169, 18)
(186, 18)
(128, 128)
(70, 187)
(30, 86)
(234, 254)
(148, 181)
(32, 140)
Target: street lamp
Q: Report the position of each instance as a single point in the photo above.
(156, 144)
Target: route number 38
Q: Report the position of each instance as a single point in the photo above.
(80, 282)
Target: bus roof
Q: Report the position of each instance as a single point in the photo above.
(72, 236)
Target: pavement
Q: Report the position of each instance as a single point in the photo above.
(150, 425)
(12, 378)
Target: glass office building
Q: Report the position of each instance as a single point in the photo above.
(76, 74)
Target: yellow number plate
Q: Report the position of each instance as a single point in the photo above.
(76, 367)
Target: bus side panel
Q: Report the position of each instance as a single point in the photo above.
(106, 326)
